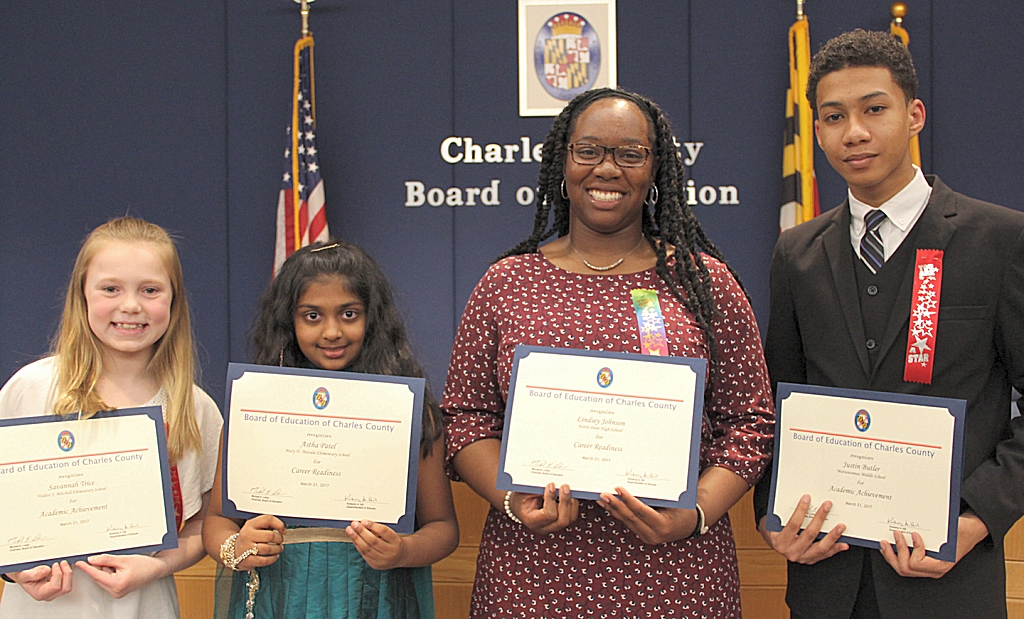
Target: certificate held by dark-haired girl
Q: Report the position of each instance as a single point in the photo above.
(887, 461)
(601, 420)
(321, 448)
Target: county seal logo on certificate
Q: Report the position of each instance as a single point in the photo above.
(862, 420)
(321, 397)
(65, 440)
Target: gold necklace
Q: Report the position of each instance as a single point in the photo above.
(610, 266)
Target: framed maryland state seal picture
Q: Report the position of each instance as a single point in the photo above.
(565, 48)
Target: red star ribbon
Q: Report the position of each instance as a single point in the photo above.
(924, 317)
(179, 506)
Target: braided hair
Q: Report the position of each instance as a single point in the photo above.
(669, 221)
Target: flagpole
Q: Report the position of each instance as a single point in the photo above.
(799, 9)
(301, 217)
(305, 15)
(296, 199)
(898, 10)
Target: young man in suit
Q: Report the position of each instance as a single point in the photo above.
(841, 303)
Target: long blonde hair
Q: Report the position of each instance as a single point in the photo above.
(77, 349)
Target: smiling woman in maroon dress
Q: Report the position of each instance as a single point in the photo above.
(613, 181)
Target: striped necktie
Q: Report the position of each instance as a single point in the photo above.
(871, 250)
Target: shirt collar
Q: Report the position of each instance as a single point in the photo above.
(902, 209)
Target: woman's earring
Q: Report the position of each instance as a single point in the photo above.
(565, 194)
(652, 196)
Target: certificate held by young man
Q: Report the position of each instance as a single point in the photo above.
(321, 448)
(598, 420)
(66, 489)
(888, 462)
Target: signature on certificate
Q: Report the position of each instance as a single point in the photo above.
(552, 465)
(895, 524)
(641, 474)
(122, 528)
(19, 540)
(360, 498)
(264, 491)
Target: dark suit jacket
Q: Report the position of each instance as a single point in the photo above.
(816, 336)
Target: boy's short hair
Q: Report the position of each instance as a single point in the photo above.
(861, 48)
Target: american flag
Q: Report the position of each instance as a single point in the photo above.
(301, 218)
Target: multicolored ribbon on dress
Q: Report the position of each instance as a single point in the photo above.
(650, 322)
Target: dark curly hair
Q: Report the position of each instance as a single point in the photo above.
(861, 48)
(386, 348)
(669, 222)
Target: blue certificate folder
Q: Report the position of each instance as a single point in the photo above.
(778, 515)
(687, 499)
(67, 454)
(406, 523)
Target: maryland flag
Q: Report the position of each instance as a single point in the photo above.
(301, 218)
(799, 186)
(897, 30)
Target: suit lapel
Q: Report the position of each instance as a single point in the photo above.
(836, 241)
(935, 229)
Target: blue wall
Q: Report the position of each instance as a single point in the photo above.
(175, 112)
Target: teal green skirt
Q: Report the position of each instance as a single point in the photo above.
(329, 580)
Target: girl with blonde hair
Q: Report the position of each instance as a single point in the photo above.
(125, 340)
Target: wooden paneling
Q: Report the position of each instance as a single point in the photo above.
(451, 600)
(453, 576)
(1015, 580)
(762, 572)
(763, 602)
(195, 589)
(1014, 608)
(1013, 544)
(1014, 548)
(761, 568)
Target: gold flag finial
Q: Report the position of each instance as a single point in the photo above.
(898, 11)
(800, 9)
(305, 16)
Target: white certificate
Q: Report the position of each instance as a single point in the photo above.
(72, 488)
(597, 420)
(322, 448)
(888, 462)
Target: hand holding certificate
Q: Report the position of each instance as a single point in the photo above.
(321, 448)
(587, 419)
(65, 496)
(887, 462)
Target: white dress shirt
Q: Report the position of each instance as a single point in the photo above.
(901, 211)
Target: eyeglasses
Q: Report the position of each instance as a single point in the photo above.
(624, 156)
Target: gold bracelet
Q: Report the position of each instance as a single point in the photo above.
(227, 553)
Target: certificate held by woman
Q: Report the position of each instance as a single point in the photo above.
(587, 418)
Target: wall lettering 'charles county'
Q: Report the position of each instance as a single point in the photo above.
(456, 150)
